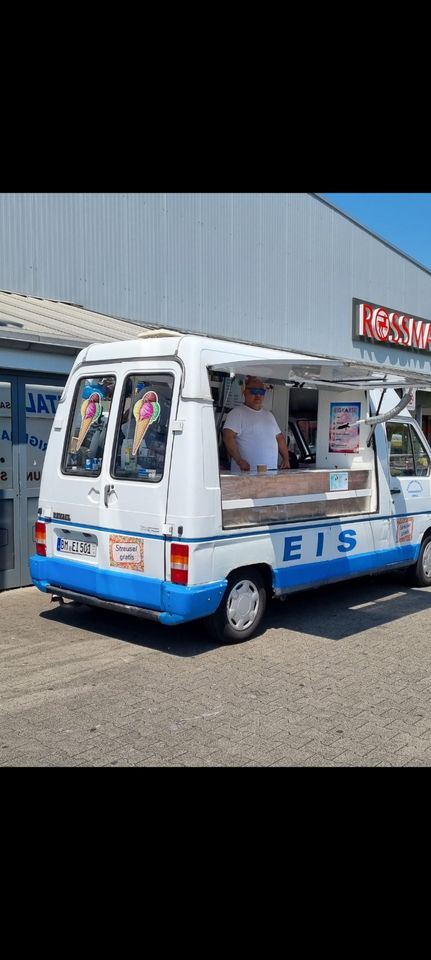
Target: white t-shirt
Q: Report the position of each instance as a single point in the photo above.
(256, 431)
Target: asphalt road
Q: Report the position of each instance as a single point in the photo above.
(339, 676)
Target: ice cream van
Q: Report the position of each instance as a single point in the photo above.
(139, 512)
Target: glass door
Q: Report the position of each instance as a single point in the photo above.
(27, 409)
(9, 471)
(41, 400)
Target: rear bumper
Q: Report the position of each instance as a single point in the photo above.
(169, 603)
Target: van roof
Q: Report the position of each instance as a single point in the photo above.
(196, 353)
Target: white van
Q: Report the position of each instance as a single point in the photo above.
(138, 514)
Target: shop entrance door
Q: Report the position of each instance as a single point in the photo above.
(27, 408)
(9, 547)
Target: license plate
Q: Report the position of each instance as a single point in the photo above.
(82, 548)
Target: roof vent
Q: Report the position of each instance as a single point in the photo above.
(159, 332)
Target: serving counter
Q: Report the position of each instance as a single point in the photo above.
(278, 495)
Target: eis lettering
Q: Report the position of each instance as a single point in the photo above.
(293, 546)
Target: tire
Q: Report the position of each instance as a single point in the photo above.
(241, 609)
(421, 573)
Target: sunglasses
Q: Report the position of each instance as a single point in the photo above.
(256, 391)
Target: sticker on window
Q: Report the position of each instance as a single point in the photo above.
(146, 411)
(344, 428)
(91, 411)
(339, 481)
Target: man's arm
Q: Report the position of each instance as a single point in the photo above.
(284, 452)
(231, 445)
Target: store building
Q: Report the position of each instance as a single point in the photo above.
(285, 270)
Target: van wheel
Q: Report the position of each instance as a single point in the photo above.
(241, 609)
(421, 573)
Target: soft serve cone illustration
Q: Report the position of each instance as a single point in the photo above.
(91, 410)
(145, 412)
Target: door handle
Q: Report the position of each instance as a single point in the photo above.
(109, 487)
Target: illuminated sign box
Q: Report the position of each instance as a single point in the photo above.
(386, 326)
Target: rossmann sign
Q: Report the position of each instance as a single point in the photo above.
(372, 321)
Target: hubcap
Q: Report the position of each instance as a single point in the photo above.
(243, 605)
(426, 560)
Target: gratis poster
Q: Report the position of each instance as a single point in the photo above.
(344, 427)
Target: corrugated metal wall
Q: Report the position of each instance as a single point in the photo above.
(272, 268)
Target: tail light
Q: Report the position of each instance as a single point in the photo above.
(40, 538)
(180, 563)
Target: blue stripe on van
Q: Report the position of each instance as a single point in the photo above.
(177, 604)
(93, 526)
(323, 571)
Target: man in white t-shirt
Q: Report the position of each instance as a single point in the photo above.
(252, 435)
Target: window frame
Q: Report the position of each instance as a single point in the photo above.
(82, 471)
(411, 432)
(170, 380)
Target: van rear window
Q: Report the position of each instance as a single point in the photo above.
(143, 430)
(87, 429)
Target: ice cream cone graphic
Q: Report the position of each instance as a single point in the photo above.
(91, 410)
(145, 412)
(140, 431)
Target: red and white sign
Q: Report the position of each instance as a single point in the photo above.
(392, 327)
(405, 530)
(126, 552)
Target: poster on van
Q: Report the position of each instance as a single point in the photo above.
(126, 552)
(344, 428)
(404, 530)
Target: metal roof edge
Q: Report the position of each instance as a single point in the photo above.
(31, 342)
(66, 303)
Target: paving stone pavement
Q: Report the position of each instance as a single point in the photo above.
(337, 677)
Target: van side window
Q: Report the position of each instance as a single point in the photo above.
(142, 431)
(87, 426)
(422, 461)
(407, 455)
